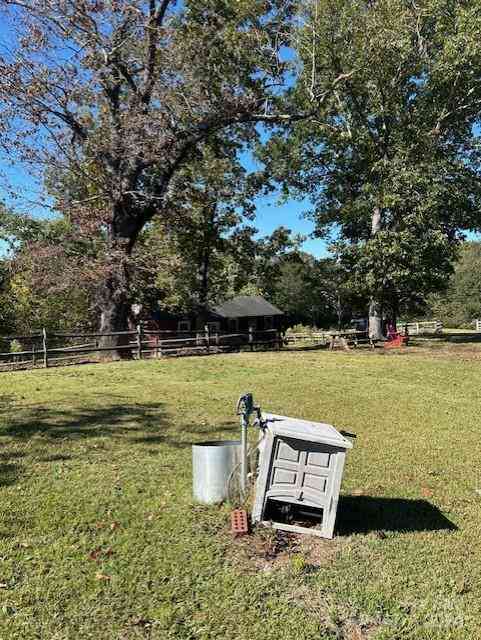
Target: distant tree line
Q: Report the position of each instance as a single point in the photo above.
(460, 304)
(188, 268)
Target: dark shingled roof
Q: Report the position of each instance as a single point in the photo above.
(247, 306)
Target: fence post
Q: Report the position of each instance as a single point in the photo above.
(207, 337)
(34, 359)
(45, 352)
(251, 338)
(139, 342)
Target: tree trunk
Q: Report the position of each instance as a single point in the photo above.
(205, 256)
(375, 307)
(375, 320)
(114, 301)
(204, 280)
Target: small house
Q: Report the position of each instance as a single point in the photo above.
(248, 312)
(236, 315)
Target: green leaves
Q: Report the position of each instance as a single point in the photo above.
(395, 134)
(461, 303)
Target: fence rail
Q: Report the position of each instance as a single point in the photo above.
(318, 338)
(49, 349)
(418, 328)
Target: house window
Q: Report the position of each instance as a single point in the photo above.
(183, 325)
(268, 322)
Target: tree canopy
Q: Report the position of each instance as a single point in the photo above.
(390, 162)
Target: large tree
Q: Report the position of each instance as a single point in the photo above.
(119, 94)
(390, 162)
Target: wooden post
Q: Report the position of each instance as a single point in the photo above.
(34, 355)
(251, 338)
(139, 342)
(279, 338)
(207, 337)
(45, 352)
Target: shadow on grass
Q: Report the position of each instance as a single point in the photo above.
(114, 420)
(10, 469)
(136, 423)
(146, 425)
(201, 434)
(9, 472)
(56, 457)
(363, 514)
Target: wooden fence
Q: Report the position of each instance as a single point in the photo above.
(322, 338)
(418, 328)
(51, 349)
(477, 325)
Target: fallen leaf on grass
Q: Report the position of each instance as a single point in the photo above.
(93, 555)
(102, 576)
(114, 526)
(426, 492)
(98, 553)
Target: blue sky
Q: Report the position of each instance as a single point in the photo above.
(270, 214)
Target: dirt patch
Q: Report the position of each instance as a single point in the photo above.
(267, 549)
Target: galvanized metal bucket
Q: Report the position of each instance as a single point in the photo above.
(213, 463)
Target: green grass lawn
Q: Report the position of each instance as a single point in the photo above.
(100, 538)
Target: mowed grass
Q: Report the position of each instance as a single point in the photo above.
(99, 537)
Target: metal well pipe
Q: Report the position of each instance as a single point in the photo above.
(243, 478)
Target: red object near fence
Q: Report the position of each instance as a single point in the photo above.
(396, 340)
